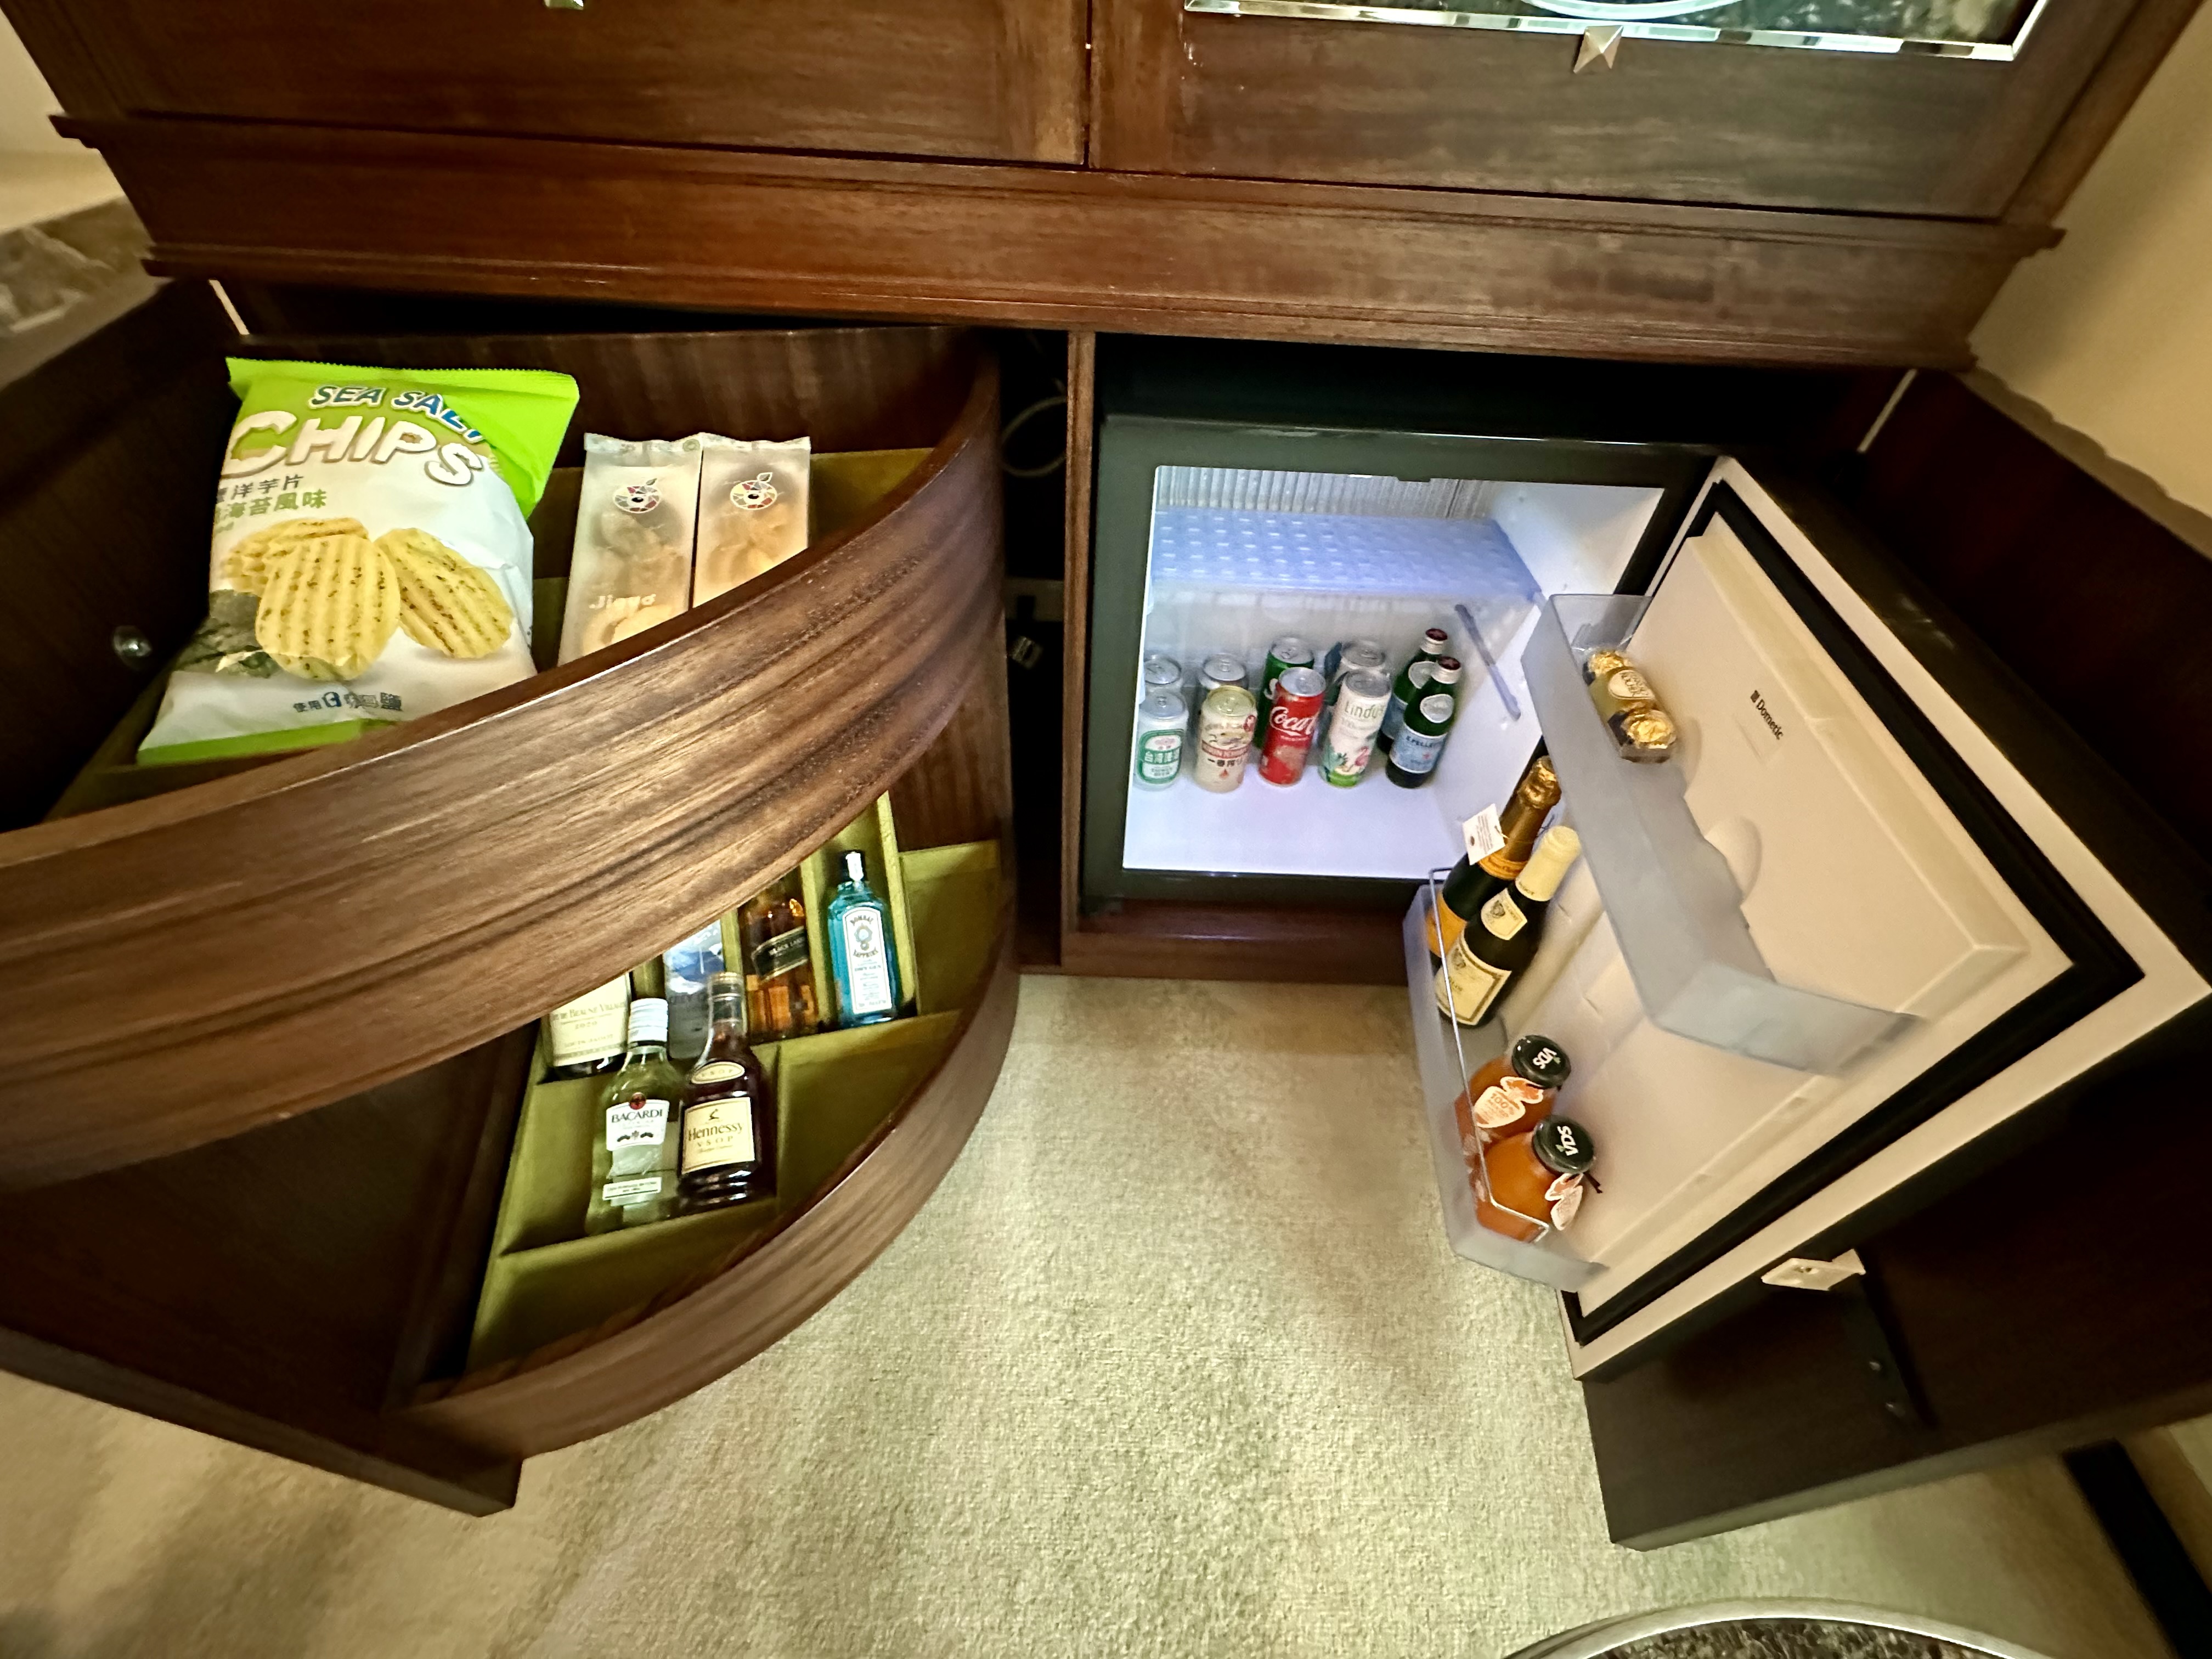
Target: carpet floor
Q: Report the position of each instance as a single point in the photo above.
(1175, 1362)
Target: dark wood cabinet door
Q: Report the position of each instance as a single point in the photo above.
(995, 79)
(1474, 109)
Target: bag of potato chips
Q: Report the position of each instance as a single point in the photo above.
(752, 510)
(370, 561)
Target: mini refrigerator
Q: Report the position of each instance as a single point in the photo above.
(1879, 911)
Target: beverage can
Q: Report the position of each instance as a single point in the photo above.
(1361, 698)
(1288, 651)
(1225, 721)
(1161, 721)
(1357, 656)
(1162, 674)
(1220, 670)
(1293, 720)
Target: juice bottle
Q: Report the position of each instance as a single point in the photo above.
(1535, 1177)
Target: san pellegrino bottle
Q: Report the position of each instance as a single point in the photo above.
(861, 956)
(1420, 742)
(1500, 938)
(633, 1147)
(1411, 678)
(729, 1117)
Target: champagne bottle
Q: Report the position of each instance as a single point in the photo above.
(1501, 937)
(1471, 883)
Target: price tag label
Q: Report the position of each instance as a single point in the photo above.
(1484, 837)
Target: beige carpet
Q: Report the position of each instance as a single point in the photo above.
(1175, 1363)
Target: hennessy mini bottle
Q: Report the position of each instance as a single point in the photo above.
(729, 1122)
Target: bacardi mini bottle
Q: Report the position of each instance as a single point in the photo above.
(633, 1144)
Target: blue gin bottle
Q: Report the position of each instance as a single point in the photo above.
(861, 956)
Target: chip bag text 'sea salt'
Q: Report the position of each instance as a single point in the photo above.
(371, 560)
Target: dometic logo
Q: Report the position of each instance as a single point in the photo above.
(1759, 703)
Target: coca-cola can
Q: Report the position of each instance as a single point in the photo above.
(1224, 739)
(1361, 697)
(1292, 719)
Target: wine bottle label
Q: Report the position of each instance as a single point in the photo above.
(1502, 917)
(591, 1027)
(867, 963)
(1417, 751)
(1466, 986)
(641, 1123)
(718, 1071)
(634, 1190)
(781, 953)
(1159, 757)
(1393, 719)
(718, 1133)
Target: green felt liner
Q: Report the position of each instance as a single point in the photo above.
(545, 1280)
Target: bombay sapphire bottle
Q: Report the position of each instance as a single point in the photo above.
(860, 954)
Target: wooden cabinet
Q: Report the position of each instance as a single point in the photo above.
(1000, 80)
(1672, 121)
(271, 1027)
(1129, 166)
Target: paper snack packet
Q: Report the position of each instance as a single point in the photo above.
(632, 567)
(370, 559)
(752, 510)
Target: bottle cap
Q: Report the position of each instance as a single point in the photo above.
(1446, 672)
(648, 1020)
(856, 866)
(1540, 1060)
(725, 985)
(1563, 1145)
(1436, 642)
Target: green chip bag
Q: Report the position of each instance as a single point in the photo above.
(371, 560)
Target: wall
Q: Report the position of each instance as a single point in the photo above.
(2111, 331)
(25, 103)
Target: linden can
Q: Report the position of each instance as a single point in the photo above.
(1225, 721)
(1361, 698)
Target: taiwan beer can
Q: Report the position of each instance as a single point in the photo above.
(1163, 718)
(1292, 718)
(1359, 657)
(1225, 720)
(1162, 674)
(1361, 697)
(1288, 651)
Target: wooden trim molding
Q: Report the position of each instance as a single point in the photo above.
(178, 970)
(1056, 247)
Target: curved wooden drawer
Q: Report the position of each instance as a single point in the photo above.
(649, 1355)
(182, 969)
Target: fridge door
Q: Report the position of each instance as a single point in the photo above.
(1850, 838)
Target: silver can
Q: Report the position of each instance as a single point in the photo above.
(1163, 720)
(1225, 721)
(1220, 670)
(1361, 698)
(1161, 674)
(1357, 657)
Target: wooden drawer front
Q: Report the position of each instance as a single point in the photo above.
(1001, 79)
(1474, 109)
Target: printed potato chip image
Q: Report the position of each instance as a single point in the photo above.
(246, 565)
(329, 608)
(445, 602)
